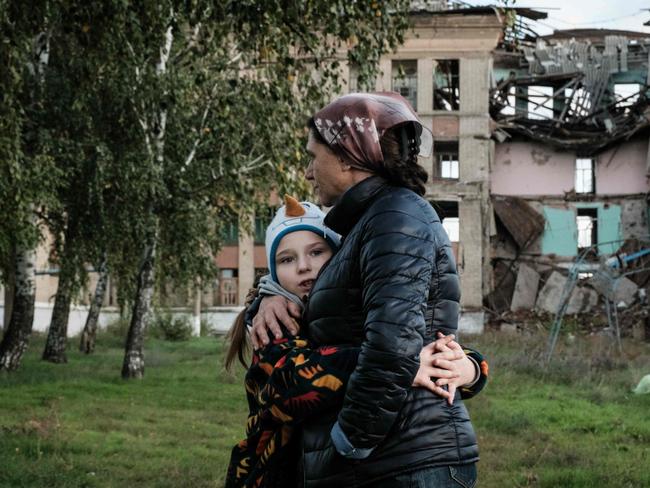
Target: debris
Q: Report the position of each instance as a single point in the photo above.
(526, 288)
(509, 328)
(643, 388)
(568, 97)
(624, 290)
(523, 222)
(471, 322)
(582, 299)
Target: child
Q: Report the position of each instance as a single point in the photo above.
(288, 381)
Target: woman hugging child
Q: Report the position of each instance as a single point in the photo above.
(288, 380)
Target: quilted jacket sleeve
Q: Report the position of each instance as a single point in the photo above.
(396, 263)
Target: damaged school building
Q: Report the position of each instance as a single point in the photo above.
(541, 161)
(541, 151)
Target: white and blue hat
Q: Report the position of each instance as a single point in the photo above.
(292, 217)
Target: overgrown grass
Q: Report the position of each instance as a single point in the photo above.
(575, 424)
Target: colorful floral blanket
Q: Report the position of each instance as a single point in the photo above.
(288, 382)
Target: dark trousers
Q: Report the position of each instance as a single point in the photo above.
(461, 476)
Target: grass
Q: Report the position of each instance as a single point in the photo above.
(79, 425)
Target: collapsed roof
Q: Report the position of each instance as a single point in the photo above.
(581, 94)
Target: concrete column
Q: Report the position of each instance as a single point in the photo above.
(474, 148)
(246, 269)
(471, 252)
(425, 85)
(427, 163)
(385, 79)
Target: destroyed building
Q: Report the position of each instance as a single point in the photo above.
(541, 151)
(541, 144)
(572, 123)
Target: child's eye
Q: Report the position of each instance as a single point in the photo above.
(317, 252)
(286, 259)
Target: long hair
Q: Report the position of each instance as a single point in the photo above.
(400, 151)
(238, 343)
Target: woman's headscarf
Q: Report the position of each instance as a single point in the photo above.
(353, 124)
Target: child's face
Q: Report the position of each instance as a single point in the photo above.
(299, 258)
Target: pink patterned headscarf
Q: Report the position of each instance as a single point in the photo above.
(353, 124)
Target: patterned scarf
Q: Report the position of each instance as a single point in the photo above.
(352, 126)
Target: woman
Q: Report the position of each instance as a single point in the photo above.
(394, 284)
(288, 381)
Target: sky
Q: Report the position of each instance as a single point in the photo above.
(587, 14)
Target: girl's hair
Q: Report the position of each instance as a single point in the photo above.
(238, 343)
(400, 148)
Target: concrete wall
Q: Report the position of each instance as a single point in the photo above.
(218, 319)
(622, 170)
(528, 169)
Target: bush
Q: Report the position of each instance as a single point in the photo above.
(170, 328)
(118, 328)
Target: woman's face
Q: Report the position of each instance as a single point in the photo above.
(298, 259)
(326, 172)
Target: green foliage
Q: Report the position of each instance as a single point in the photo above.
(167, 327)
(117, 329)
(177, 427)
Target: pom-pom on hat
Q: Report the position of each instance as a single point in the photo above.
(292, 217)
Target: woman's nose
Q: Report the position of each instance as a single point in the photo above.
(309, 173)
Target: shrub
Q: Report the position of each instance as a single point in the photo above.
(166, 326)
(118, 328)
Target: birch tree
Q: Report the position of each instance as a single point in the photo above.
(27, 173)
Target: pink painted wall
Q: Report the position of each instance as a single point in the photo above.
(525, 168)
(622, 170)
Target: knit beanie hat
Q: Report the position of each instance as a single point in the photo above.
(292, 217)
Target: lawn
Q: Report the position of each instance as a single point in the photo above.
(575, 424)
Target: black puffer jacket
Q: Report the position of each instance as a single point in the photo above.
(393, 283)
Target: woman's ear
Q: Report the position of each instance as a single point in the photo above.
(344, 166)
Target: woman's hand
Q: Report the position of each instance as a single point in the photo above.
(444, 360)
(273, 311)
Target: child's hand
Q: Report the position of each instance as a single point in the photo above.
(446, 361)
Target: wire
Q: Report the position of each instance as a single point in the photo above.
(594, 22)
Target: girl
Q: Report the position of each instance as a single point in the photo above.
(288, 381)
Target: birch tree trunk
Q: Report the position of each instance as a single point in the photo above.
(16, 336)
(89, 334)
(133, 365)
(57, 336)
(154, 127)
(9, 296)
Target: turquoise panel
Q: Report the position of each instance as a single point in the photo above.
(560, 232)
(609, 228)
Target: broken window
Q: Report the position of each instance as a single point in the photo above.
(587, 224)
(627, 93)
(584, 175)
(447, 160)
(452, 227)
(540, 102)
(405, 80)
(579, 101)
(448, 213)
(446, 85)
(509, 109)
